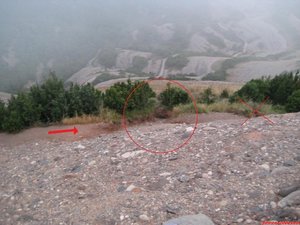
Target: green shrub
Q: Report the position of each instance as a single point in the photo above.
(207, 97)
(279, 89)
(81, 100)
(142, 97)
(49, 99)
(23, 104)
(2, 114)
(233, 98)
(142, 114)
(293, 102)
(282, 86)
(189, 108)
(21, 113)
(116, 95)
(173, 96)
(224, 94)
(91, 99)
(13, 122)
(47, 103)
(255, 90)
(74, 102)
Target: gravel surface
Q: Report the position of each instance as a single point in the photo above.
(233, 174)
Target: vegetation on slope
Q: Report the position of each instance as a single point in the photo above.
(176, 62)
(51, 102)
(282, 91)
(48, 103)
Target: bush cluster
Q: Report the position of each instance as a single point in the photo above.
(115, 96)
(47, 103)
(207, 97)
(293, 103)
(283, 90)
(52, 102)
(224, 94)
(173, 96)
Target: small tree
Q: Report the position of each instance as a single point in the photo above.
(173, 96)
(13, 122)
(90, 99)
(50, 99)
(293, 102)
(224, 94)
(48, 103)
(282, 86)
(2, 114)
(74, 102)
(21, 113)
(115, 96)
(255, 90)
(207, 97)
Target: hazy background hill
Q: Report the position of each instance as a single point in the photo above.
(94, 41)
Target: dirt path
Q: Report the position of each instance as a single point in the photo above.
(41, 133)
(95, 130)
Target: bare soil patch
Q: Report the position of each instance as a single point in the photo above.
(95, 130)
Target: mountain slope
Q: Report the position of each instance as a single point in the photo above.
(39, 36)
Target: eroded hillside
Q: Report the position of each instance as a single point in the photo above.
(96, 41)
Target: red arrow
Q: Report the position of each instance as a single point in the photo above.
(74, 130)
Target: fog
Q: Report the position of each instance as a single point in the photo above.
(42, 35)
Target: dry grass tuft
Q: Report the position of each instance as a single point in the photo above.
(106, 116)
(241, 109)
(198, 87)
(225, 106)
(188, 108)
(84, 119)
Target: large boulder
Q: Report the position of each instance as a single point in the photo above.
(199, 219)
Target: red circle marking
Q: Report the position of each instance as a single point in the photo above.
(124, 116)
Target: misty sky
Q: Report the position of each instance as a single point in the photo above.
(38, 36)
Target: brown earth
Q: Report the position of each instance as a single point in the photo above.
(94, 130)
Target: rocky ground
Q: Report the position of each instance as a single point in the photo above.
(233, 174)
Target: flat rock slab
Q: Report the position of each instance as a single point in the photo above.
(292, 199)
(284, 191)
(199, 219)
